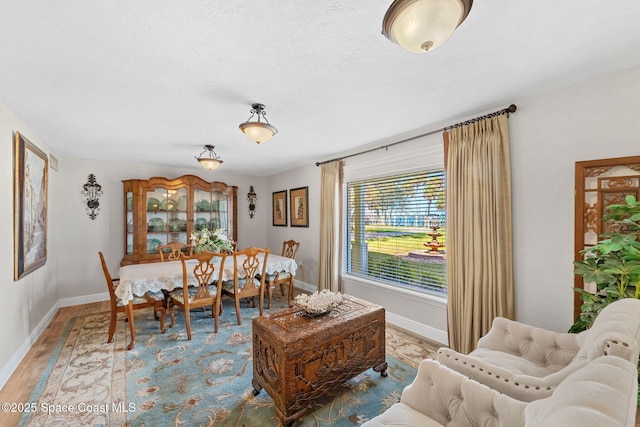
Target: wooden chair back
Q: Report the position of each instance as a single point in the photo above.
(290, 249)
(205, 274)
(118, 307)
(174, 251)
(207, 291)
(110, 281)
(247, 265)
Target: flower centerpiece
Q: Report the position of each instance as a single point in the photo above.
(318, 302)
(210, 240)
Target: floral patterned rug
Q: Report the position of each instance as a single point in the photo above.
(169, 380)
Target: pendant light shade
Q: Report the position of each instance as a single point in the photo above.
(422, 25)
(258, 131)
(209, 159)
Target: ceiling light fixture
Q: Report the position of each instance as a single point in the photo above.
(258, 132)
(422, 25)
(211, 161)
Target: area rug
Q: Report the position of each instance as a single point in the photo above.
(169, 380)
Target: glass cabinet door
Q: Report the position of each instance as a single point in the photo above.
(211, 211)
(166, 217)
(129, 216)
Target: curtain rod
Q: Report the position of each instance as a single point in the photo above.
(510, 109)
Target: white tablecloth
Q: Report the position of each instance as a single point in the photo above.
(138, 279)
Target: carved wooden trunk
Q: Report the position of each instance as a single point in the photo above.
(297, 358)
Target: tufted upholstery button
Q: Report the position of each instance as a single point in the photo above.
(430, 381)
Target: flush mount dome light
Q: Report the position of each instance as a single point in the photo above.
(258, 131)
(211, 160)
(422, 25)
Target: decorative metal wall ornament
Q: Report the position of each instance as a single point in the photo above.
(251, 198)
(92, 191)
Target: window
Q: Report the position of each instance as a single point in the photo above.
(396, 230)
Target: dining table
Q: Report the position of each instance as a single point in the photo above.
(138, 279)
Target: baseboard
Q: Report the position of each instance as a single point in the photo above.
(8, 369)
(306, 287)
(14, 361)
(84, 299)
(418, 328)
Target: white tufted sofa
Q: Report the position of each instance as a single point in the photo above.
(602, 393)
(528, 363)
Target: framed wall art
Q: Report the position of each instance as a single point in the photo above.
(299, 202)
(279, 206)
(30, 207)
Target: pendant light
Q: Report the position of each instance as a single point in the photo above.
(258, 131)
(422, 25)
(211, 161)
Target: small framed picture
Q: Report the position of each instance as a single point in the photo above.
(299, 204)
(280, 208)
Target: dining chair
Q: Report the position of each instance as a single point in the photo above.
(150, 299)
(174, 251)
(282, 278)
(248, 277)
(207, 290)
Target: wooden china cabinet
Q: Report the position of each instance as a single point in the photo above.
(160, 210)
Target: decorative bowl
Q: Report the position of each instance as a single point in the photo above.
(318, 303)
(203, 205)
(168, 205)
(153, 204)
(201, 223)
(152, 246)
(175, 224)
(182, 203)
(214, 224)
(156, 224)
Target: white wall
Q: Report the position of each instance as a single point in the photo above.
(309, 238)
(28, 304)
(80, 273)
(592, 120)
(549, 133)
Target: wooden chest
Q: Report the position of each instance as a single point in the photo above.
(296, 358)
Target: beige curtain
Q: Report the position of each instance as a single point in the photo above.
(330, 236)
(479, 236)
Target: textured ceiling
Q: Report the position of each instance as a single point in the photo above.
(153, 81)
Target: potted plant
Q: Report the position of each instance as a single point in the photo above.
(613, 264)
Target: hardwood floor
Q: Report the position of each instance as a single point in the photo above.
(19, 387)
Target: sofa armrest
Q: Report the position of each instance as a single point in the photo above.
(603, 393)
(503, 379)
(540, 346)
(450, 398)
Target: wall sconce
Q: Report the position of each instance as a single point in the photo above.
(251, 198)
(92, 191)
